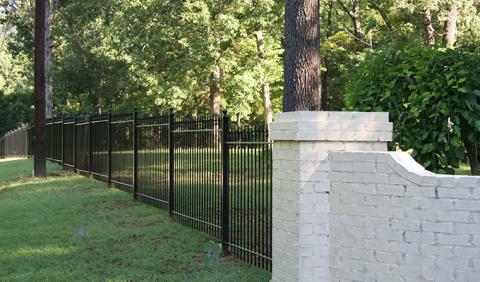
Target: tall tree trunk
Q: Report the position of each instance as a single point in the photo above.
(427, 20)
(302, 91)
(357, 25)
(215, 103)
(215, 91)
(451, 25)
(473, 158)
(39, 73)
(473, 152)
(49, 6)
(267, 104)
(354, 14)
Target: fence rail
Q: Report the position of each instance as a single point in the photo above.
(207, 175)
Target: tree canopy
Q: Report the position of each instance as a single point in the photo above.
(198, 56)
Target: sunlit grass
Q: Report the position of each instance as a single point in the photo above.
(71, 228)
(463, 170)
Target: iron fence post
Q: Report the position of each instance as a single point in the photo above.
(135, 155)
(90, 152)
(52, 138)
(74, 142)
(109, 147)
(171, 153)
(225, 188)
(63, 140)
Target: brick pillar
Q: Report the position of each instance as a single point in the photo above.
(301, 163)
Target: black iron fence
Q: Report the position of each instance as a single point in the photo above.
(16, 143)
(206, 174)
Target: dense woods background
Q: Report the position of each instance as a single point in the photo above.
(198, 56)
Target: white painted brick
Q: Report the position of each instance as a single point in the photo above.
(404, 247)
(470, 205)
(397, 180)
(438, 274)
(407, 270)
(393, 190)
(375, 178)
(471, 276)
(386, 257)
(363, 167)
(445, 227)
(441, 204)
(454, 193)
(467, 252)
(366, 255)
(453, 216)
(424, 260)
(377, 267)
(455, 263)
(467, 228)
(405, 224)
(388, 277)
(453, 240)
(415, 191)
(421, 214)
(420, 237)
(390, 212)
(444, 251)
(389, 235)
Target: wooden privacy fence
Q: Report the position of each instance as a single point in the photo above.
(207, 174)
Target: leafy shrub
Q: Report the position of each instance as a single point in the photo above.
(433, 98)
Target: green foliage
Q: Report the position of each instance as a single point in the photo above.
(433, 98)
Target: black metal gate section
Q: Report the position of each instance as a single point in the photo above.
(153, 160)
(15, 143)
(198, 174)
(207, 175)
(122, 145)
(250, 195)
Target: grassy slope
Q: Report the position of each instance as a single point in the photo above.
(70, 228)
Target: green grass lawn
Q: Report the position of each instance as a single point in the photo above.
(463, 170)
(71, 228)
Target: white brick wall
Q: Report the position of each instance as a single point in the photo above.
(407, 225)
(301, 165)
(340, 215)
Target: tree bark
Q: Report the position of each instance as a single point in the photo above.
(215, 91)
(354, 15)
(451, 25)
(473, 153)
(267, 104)
(357, 25)
(215, 103)
(427, 20)
(49, 7)
(302, 89)
(39, 74)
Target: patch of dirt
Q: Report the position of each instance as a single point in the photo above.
(120, 204)
(141, 224)
(198, 257)
(163, 238)
(229, 259)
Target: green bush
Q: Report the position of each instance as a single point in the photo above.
(433, 98)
